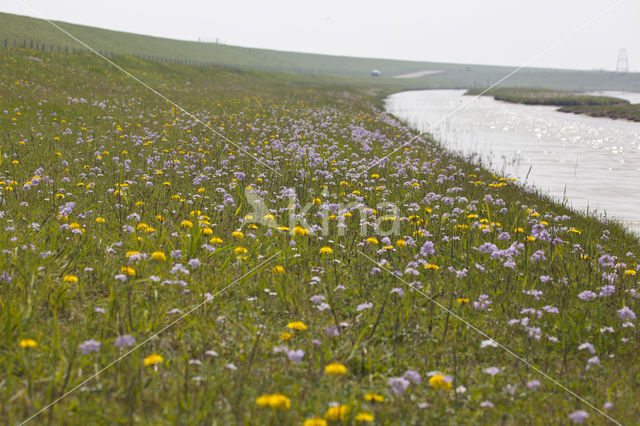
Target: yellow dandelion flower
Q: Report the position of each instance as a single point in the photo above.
(285, 336)
(372, 240)
(431, 266)
(216, 240)
(277, 401)
(207, 231)
(297, 325)
(158, 255)
(240, 250)
(131, 253)
(315, 421)
(439, 381)
(186, 224)
(100, 220)
(338, 412)
(335, 369)
(300, 231)
(364, 417)
(278, 270)
(263, 401)
(462, 300)
(70, 278)
(326, 250)
(373, 397)
(128, 270)
(401, 243)
(237, 235)
(630, 272)
(152, 359)
(28, 343)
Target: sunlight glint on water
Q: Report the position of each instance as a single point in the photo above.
(592, 162)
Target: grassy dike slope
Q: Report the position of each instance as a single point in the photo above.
(25, 29)
(121, 214)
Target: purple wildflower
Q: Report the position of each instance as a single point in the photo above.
(398, 384)
(413, 376)
(124, 341)
(626, 314)
(295, 355)
(89, 346)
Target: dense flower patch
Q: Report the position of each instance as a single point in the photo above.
(295, 263)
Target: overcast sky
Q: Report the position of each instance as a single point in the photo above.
(503, 32)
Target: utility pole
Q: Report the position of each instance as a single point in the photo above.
(623, 61)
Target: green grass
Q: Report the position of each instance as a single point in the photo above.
(76, 130)
(28, 30)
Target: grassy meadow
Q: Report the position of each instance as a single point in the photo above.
(123, 217)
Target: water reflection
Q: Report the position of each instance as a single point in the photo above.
(592, 163)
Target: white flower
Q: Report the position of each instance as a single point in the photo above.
(587, 346)
(579, 416)
(491, 371)
(489, 342)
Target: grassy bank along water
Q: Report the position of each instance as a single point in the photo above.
(629, 112)
(121, 214)
(536, 96)
(576, 103)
